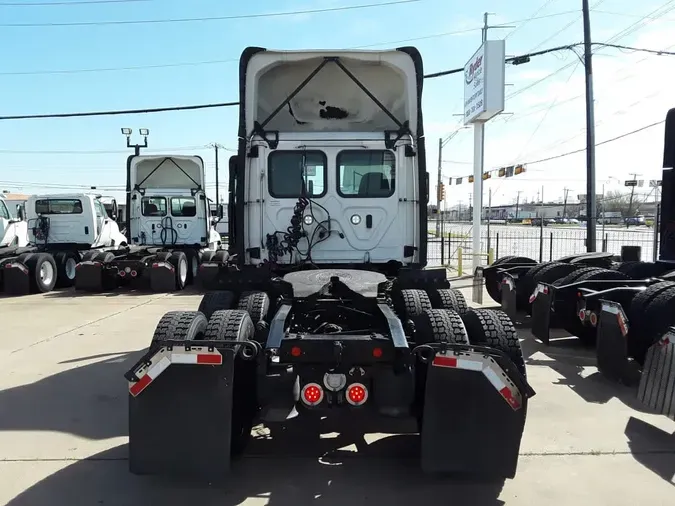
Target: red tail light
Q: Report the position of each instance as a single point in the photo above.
(122, 274)
(582, 315)
(296, 351)
(357, 394)
(377, 352)
(134, 274)
(312, 394)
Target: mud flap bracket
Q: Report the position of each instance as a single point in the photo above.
(612, 348)
(180, 425)
(474, 414)
(162, 277)
(16, 278)
(89, 276)
(508, 290)
(542, 307)
(657, 384)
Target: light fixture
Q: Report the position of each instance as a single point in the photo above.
(355, 219)
(308, 219)
(126, 131)
(144, 132)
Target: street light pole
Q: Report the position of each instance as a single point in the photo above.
(216, 148)
(591, 214)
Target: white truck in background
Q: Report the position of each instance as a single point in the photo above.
(59, 229)
(168, 225)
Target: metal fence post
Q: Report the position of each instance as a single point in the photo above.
(442, 243)
(657, 223)
(541, 243)
(478, 286)
(550, 254)
(497, 246)
(459, 261)
(605, 240)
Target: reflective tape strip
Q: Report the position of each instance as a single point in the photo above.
(196, 358)
(15, 265)
(457, 363)
(163, 359)
(610, 308)
(502, 387)
(489, 368)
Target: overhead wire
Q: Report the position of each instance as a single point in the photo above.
(207, 18)
(541, 8)
(235, 60)
(72, 2)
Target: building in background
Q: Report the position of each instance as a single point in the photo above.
(14, 199)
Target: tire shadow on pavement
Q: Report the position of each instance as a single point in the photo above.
(88, 401)
(652, 447)
(278, 480)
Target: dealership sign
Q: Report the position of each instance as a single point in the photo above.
(484, 82)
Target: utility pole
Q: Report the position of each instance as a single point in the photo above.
(438, 187)
(517, 203)
(590, 134)
(566, 190)
(216, 148)
(632, 192)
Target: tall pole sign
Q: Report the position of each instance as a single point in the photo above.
(483, 99)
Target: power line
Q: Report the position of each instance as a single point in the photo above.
(64, 4)
(208, 18)
(232, 104)
(541, 8)
(632, 132)
(235, 60)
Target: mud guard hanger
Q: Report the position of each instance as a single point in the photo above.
(142, 190)
(390, 136)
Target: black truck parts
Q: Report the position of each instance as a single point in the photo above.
(61, 229)
(324, 305)
(168, 224)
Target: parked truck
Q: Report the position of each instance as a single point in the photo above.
(324, 306)
(168, 225)
(60, 229)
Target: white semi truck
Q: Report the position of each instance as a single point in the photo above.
(168, 224)
(58, 229)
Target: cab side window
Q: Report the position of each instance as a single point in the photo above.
(4, 212)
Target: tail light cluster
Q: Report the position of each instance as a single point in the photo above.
(313, 394)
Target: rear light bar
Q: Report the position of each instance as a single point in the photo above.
(357, 394)
(17, 265)
(166, 265)
(312, 394)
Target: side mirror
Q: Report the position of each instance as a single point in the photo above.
(221, 211)
(20, 212)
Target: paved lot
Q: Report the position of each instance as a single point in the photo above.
(63, 428)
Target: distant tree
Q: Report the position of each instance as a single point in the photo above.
(615, 201)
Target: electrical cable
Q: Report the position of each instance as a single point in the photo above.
(67, 4)
(541, 8)
(233, 104)
(208, 18)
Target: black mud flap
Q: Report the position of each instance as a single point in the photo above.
(162, 277)
(16, 278)
(474, 415)
(508, 289)
(542, 307)
(89, 276)
(207, 276)
(612, 347)
(180, 421)
(657, 384)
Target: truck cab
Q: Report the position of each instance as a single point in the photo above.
(167, 203)
(13, 231)
(76, 220)
(331, 167)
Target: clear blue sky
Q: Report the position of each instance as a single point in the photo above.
(29, 51)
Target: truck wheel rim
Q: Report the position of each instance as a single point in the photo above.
(70, 268)
(46, 273)
(182, 270)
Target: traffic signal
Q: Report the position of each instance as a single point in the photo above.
(519, 169)
(502, 172)
(441, 192)
(486, 175)
(470, 179)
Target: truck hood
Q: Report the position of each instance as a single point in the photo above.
(331, 100)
